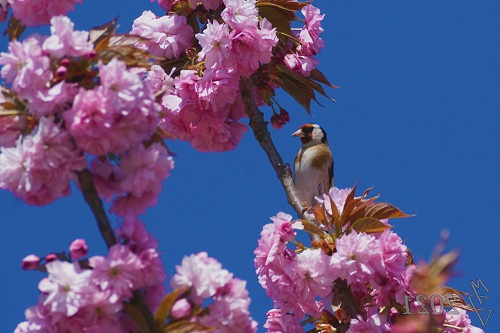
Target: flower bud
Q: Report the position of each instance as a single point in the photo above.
(277, 121)
(180, 309)
(30, 262)
(50, 257)
(64, 62)
(61, 71)
(78, 248)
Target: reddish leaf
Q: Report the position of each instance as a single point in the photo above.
(288, 5)
(349, 205)
(297, 86)
(312, 228)
(139, 319)
(130, 55)
(186, 326)
(454, 299)
(316, 75)
(277, 19)
(369, 225)
(97, 34)
(380, 210)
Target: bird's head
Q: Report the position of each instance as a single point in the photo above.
(311, 134)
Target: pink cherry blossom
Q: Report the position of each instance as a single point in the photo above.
(377, 323)
(459, 323)
(66, 42)
(216, 46)
(211, 4)
(107, 177)
(204, 274)
(39, 168)
(29, 71)
(39, 12)
(119, 272)
(115, 116)
(338, 196)
(142, 171)
(240, 14)
(277, 322)
(64, 287)
(309, 35)
(253, 46)
(358, 259)
(11, 127)
(229, 312)
(169, 35)
(133, 232)
(158, 81)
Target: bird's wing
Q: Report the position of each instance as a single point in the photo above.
(330, 172)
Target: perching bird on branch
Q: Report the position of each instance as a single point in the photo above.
(313, 167)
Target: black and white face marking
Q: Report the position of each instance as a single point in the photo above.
(311, 134)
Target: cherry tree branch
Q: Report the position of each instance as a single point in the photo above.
(259, 127)
(85, 180)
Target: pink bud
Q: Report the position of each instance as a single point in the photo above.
(61, 71)
(78, 248)
(30, 262)
(180, 309)
(64, 62)
(90, 55)
(277, 121)
(50, 257)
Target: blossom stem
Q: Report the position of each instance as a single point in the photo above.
(259, 127)
(90, 195)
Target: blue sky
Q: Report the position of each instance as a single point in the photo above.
(416, 117)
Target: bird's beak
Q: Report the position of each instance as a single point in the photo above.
(298, 133)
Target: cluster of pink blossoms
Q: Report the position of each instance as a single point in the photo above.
(301, 282)
(33, 13)
(63, 125)
(204, 107)
(226, 298)
(78, 297)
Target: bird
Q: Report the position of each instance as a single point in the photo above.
(313, 166)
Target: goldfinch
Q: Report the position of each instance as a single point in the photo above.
(313, 167)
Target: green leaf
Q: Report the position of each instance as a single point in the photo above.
(369, 225)
(138, 317)
(14, 29)
(166, 304)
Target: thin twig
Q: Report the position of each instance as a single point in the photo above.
(259, 127)
(90, 195)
